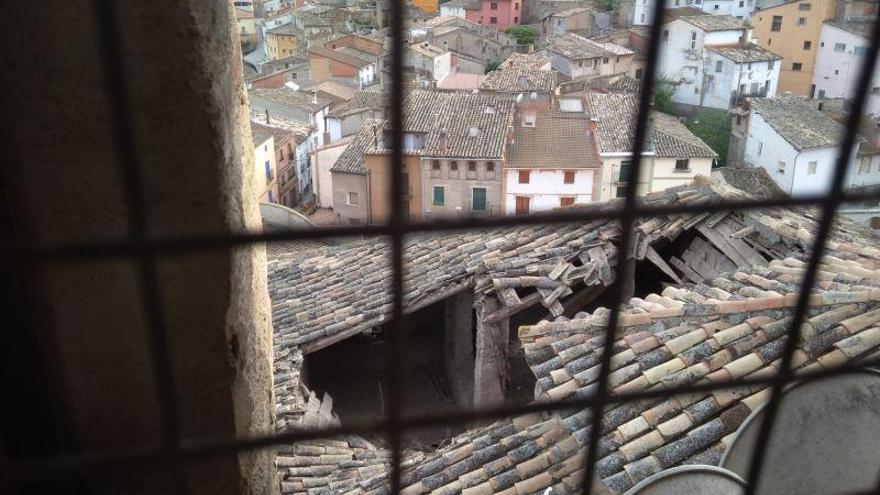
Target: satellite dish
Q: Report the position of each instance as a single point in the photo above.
(690, 480)
(826, 438)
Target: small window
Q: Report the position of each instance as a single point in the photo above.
(860, 50)
(840, 47)
(821, 94)
(352, 199)
(739, 119)
(435, 165)
(796, 66)
(439, 195)
(523, 176)
(515, 19)
(769, 41)
(802, 21)
(271, 197)
(528, 119)
(781, 167)
(568, 177)
(472, 166)
(760, 147)
(682, 165)
(268, 170)
(716, 7)
(493, 20)
(719, 66)
(490, 166)
(741, 4)
(770, 64)
(604, 60)
(808, 45)
(665, 35)
(776, 26)
(811, 168)
(621, 191)
(566, 201)
(804, 6)
(453, 166)
(493, 6)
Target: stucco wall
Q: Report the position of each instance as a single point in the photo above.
(322, 181)
(546, 187)
(458, 186)
(343, 185)
(836, 72)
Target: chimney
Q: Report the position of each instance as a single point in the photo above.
(592, 125)
(267, 117)
(443, 147)
(315, 97)
(511, 137)
(522, 82)
(375, 136)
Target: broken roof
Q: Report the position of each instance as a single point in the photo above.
(668, 137)
(518, 79)
(796, 120)
(558, 140)
(710, 22)
(742, 54)
(714, 330)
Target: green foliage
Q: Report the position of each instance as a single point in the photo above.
(492, 66)
(604, 5)
(663, 97)
(524, 35)
(713, 127)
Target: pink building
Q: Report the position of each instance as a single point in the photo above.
(497, 14)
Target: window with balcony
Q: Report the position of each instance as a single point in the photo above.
(568, 177)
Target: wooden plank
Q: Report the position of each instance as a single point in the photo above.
(695, 261)
(654, 257)
(686, 270)
(720, 241)
(741, 246)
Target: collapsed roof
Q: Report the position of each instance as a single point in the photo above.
(725, 320)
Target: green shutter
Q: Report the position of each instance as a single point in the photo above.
(479, 199)
(439, 195)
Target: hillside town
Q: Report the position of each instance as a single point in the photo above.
(516, 108)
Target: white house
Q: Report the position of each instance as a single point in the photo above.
(552, 160)
(842, 47)
(265, 167)
(710, 62)
(797, 145)
(454, 8)
(731, 73)
(673, 155)
(741, 9)
(642, 12)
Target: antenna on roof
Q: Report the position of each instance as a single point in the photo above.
(267, 116)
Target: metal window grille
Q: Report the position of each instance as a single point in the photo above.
(146, 251)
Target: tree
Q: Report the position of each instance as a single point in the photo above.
(604, 5)
(524, 35)
(663, 97)
(492, 66)
(713, 127)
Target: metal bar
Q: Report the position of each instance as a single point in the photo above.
(78, 252)
(131, 176)
(624, 267)
(831, 203)
(395, 372)
(105, 461)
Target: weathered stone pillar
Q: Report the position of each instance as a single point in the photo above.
(490, 369)
(459, 346)
(189, 117)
